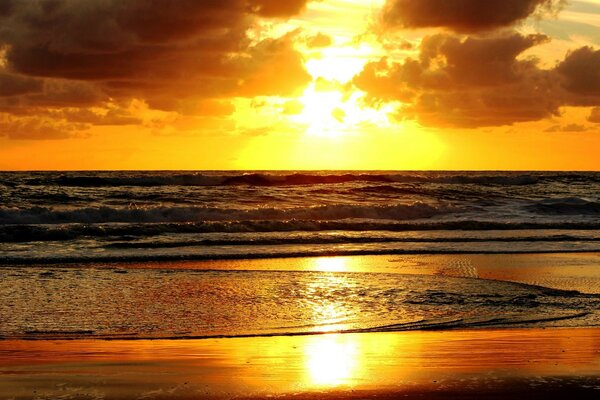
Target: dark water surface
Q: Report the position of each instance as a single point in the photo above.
(103, 216)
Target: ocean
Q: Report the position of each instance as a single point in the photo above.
(69, 242)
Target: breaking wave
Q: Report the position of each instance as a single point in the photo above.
(47, 215)
(59, 232)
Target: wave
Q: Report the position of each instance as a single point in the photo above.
(340, 240)
(276, 179)
(71, 231)
(566, 205)
(47, 215)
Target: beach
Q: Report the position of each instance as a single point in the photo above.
(534, 359)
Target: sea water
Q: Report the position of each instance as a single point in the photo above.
(65, 239)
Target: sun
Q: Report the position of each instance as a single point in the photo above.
(333, 113)
(322, 112)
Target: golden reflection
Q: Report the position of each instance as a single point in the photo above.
(331, 264)
(332, 360)
(329, 312)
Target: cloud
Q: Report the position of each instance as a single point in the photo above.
(71, 53)
(50, 93)
(273, 68)
(199, 107)
(472, 82)
(462, 15)
(595, 115)
(580, 71)
(98, 117)
(478, 81)
(277, 8)
(36, 128)
(14, 85)
(148, 41)
(318, 40)
(567, 128)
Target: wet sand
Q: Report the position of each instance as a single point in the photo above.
(537, 363)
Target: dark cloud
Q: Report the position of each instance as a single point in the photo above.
(470, 82)
(72, 53)
(65, 93)
(580, 72)
(143, 40)
(53, 93)
(483, 81)
(6, 7)
(462, 15)
(480, 80)
(478, 62)
(14, 85)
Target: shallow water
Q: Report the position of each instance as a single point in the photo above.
(285, 297)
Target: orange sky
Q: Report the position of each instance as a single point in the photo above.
(330, 84)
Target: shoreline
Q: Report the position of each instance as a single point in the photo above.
(446, 326)
(426, 364)
(7, 262)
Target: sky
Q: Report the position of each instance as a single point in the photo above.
(300, 84)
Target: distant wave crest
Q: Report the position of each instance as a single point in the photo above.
(273, 179)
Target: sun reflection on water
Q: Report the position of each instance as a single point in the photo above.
(331, 264)
(328, 308)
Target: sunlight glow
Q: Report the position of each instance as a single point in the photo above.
(331, 264)
(340, 63)
(322, 112)
(332, 113)
(331, 360)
